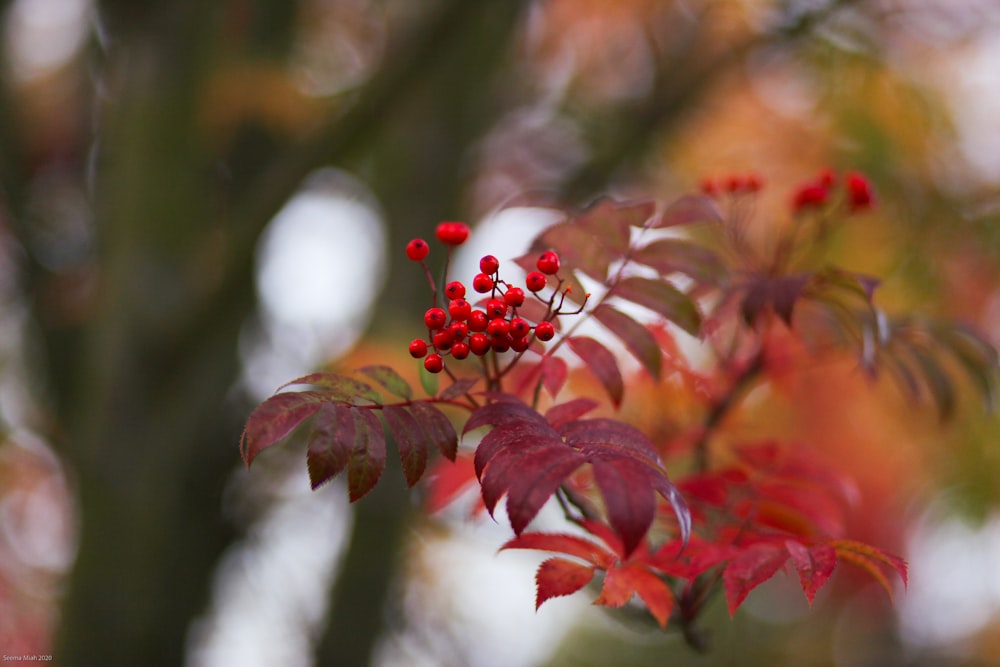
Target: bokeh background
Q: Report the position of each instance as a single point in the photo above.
(202, 200)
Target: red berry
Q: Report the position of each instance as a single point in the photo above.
(478, 321)
(434, 363)
(460, 350)
(459, 330)
(482, 283)
(548, 263)
(489, 264)
(496, 308)
(452, 233)
(500, 343)
(544, 331)
(514, 297)
(498, 327)
(454, 290)
(443, 340)
(859, 191)
(418, 348)
(519, 328)
(826, 178)
(535, 281)
(519, 344)
(709, 188)
(435, 318)
(417, 249)
(479, 344)
(459, 309)
(809, 195)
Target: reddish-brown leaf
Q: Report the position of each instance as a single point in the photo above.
(601, 363)
(553, 373)
(623, 581)
(368, 457)
(750, 569)
(275, 419)
(871, 559)
(637, 338)
(558, 576)
(447, 481)
(530, 478)
(566, 412)
(680, 256)
(437, 427)
(458, 388)
(330, 444)
(571, 545)
(410, 441)
(392, 381)
(814, 564)
(338, 387)
(661, 297)
(687, 210)
(610, 221)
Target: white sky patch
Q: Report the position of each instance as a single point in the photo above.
(43, 35)
(954, 582)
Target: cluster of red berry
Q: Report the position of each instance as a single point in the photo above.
(460, 329)
(733, 184)
(816, 192)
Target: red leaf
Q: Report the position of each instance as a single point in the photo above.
(460, 387)
(610, 221)
(331, 443)
(368, 457)
(750, 569)
(540, 473)
(409, 437)
(871, 559)
(815, 564)
(558, 576)
(274, 420)
(690, 560)
(628, 497)
(637, 338)
(554, 373)
(624, 581)
(663, 298)
(448, 479)
(437, 427)
(687, 210)
(571, 545)
(601, 363)
(566, 412)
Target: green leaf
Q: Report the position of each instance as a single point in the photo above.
(409, 437)
(390, 379)
(339, 387)
(428, 380)
(637, 338)
(663, 298)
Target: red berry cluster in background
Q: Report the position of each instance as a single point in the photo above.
(460, 329)
(733, 184)
(819, 191)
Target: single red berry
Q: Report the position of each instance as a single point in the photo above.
(435, 318)
(544, 331)
(519, 344)
(500, 343)
(434, 363)
(514, 297)
(459, 330)
(734, 183)
(482, 283)
(418, 348)
(826, 178)
(519, 328)
(754, 182)
(459, 309)
(479, 344)
(535, 281)
(417, 249)
(460, 350)
(443, 340)
(452, 233)
(808, 196)
(489, 264)
(496, 308)
(478, 321)
(454, 290)
(709, 187)
(498, 327)
(859, 191)
(548, 263)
